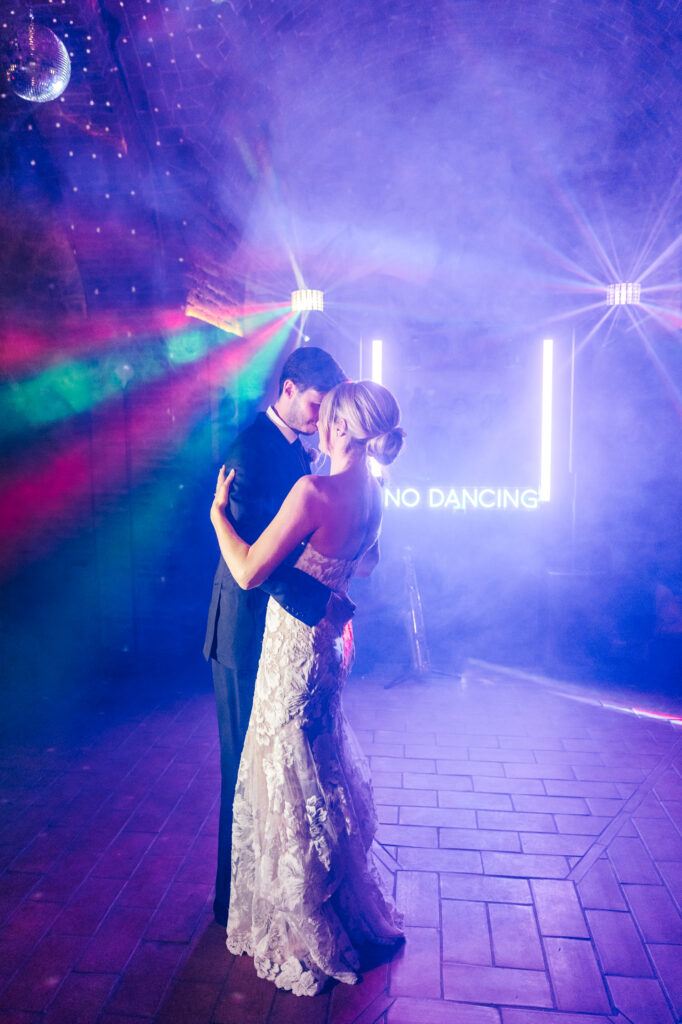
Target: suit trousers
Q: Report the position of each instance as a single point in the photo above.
(234, 699)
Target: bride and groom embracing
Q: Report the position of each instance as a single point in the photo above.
(296, 886)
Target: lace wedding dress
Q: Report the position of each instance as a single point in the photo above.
(305, 894)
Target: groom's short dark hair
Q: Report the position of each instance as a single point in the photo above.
(311, 367)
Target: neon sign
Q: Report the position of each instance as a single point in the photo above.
(459, 499)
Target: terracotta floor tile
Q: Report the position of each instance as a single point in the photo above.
(580, 788)
(571, 757)
(498, 985)
(447, 766)
(506, 755)
(36, 982)
(539, 771)
(387, 814)
(111, 948)
(610, 773)
(416, 859)
(631, 862)
(661, 838)
(66, 875)
(402, 737)
(406, 797)
(89, 906)
(581, 824)
(415, 970)
(123, 855)
(604, 805)
(558, 908)
(454, 753)
(620, 949)
(448, 817)
(417, 895)
(551, 804)
(650, 807)
(516, 942)
(290, 1009)
(514, 1016)
(80, 999)
(655, 912)
(515, 821)
(41, 853)
(466, 932)
(524, 865)
(667, 963)
(534, 742)
(478, 839)
(415, 780)
(641, 1001)
(145, 980)
(388, 750)
(562, 844)
(576, 979)
(350, 1002)
(669, 786)
(20, 1017)
(431, 1011)
(671, 873)
(408, 835)
(402, 764)
(16, 885)
(208, 959)
(189, 1002)
(476, 801)
(486, 888)
(484, 784)
(599, 888)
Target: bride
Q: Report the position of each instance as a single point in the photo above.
(305, 894)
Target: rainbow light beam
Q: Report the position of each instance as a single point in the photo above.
(544, 490)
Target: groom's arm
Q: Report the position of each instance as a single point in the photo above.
(300, 594)
(250, 512)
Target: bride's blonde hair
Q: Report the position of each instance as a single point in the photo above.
(372, 416)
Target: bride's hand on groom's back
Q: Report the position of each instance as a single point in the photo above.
(222, 491)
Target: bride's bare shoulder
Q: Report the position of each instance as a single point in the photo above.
(311, 489)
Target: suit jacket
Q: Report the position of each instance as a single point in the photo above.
(266, 468)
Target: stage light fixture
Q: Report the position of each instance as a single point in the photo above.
(305, 300)
(623, 294)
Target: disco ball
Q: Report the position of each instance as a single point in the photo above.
(39, 68)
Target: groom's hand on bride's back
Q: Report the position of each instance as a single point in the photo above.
(340, 609)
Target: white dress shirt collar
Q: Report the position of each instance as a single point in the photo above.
(273, 415)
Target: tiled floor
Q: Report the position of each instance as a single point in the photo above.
(534, 841)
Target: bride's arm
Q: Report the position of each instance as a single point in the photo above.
(251, 564)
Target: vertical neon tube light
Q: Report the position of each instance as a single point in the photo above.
(544, 489)
(377, 374)
(377, 360)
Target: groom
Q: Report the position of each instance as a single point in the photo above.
(268, 459)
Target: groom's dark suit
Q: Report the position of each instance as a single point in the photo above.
(266, 467)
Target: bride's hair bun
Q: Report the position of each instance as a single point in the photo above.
(386, 447)
(371, 416)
